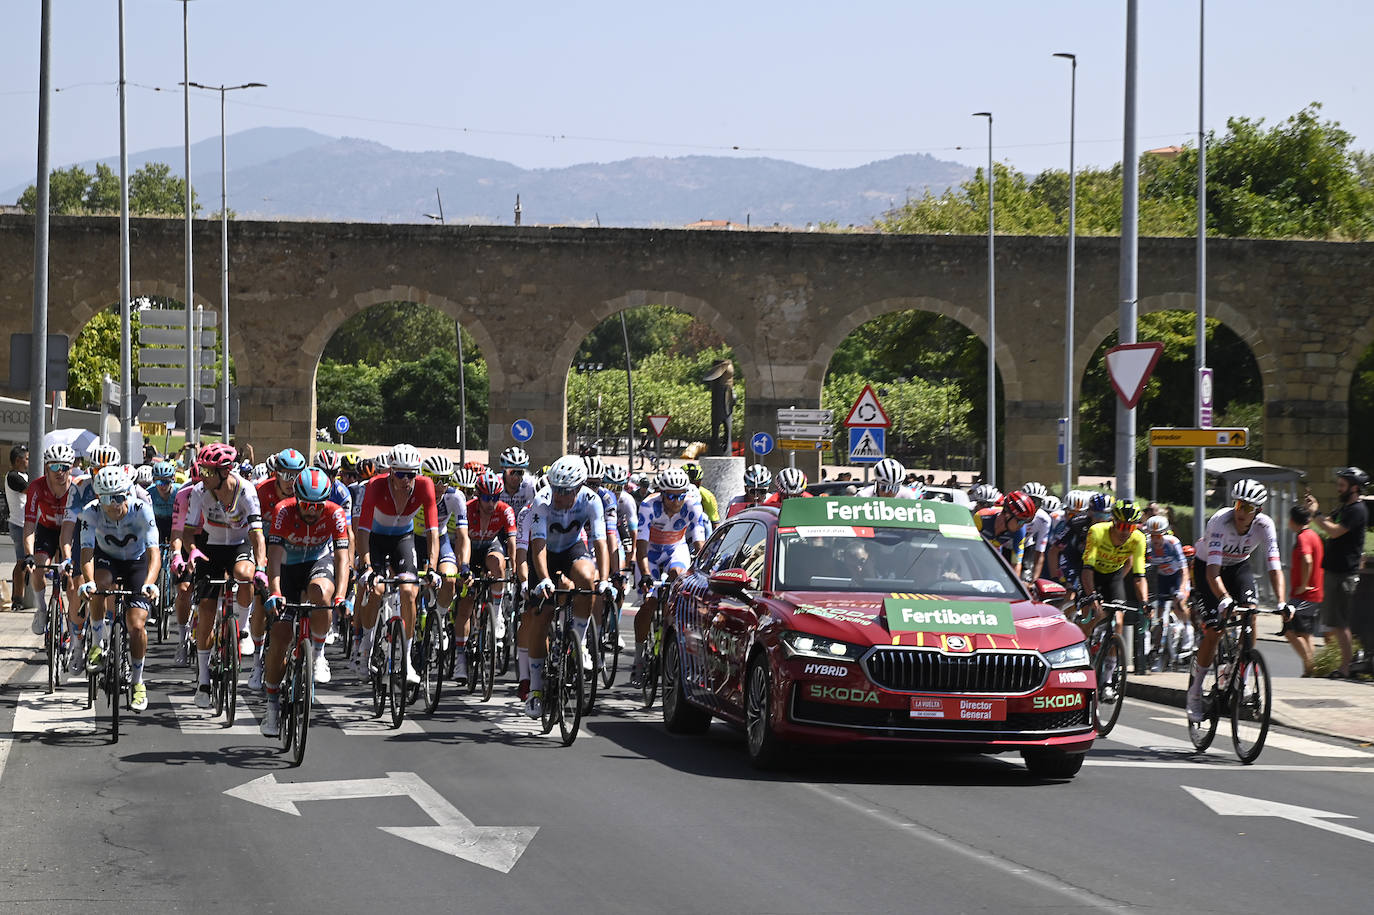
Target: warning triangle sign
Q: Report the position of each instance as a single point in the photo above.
(867, 411)
(1129, 366)
(867, 446)
(658, 424)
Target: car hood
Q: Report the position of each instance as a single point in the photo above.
(858, 618)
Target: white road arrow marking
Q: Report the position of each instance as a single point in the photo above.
(1238, 805)
(496, 847)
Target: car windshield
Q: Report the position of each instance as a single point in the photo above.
(892, 559)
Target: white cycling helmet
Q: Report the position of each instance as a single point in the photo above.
(792, 482)
(260, 472)
(568, 472)
(1156, 524)
(102, 455)
(596, 471)
(1251, 491)
(757, 476)
(616, 475)
(111, 480)
(674, 479)
(515, 456)
(984, 492)
(404, 457)
(143, 476)
(888, 473)
(1078, 500)
(438, 466)
(1051, 504)
(270, 464)
(465, 478)
(59, 453)
(1036, 491)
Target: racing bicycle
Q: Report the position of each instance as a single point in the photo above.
(298, 686)
(1107, 651)
(481, 644)
(115, 676)
(429, 653)
(608, 647)
(654, 647)
(58, 637)
(1166, 645)
(387, 662)
(1237, 683)
(224, 646)
(564, 684)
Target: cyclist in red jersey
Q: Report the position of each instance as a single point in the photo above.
(491, 531)
(45, 506)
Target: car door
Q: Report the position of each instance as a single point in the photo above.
(692, 610)
(734, 617)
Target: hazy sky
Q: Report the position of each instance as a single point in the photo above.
(825, 83)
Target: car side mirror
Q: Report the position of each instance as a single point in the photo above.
(1047, 591)
(731, 581)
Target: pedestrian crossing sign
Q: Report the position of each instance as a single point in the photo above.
(867, 444)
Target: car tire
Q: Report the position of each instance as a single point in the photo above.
(765, 748)
(679, 715)
(1053, 763)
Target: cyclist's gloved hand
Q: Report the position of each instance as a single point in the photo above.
(275, 603)
(646, 584)
(364, 578)
(178, 565)
(65, 566)
(150, 591)
(1286, 609)
(605, 587)
(340, 601)
(260, 579)
(198, 556)
(87, 588)
(543, 590)
(465, 573)
(29, 562)
(1225, 604)
(433, 579)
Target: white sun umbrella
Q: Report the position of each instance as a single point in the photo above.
(81, 440)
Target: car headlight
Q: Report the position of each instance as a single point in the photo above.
(811, 646)
(1075, 655)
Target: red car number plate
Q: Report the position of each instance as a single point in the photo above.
(959, 708)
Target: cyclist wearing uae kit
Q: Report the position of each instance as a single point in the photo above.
(671, 530)
(491, 527)
(386, 542)
(307, 552)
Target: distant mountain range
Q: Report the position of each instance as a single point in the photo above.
(292, 173)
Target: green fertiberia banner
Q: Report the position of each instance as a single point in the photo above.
(909, 613)
(873, 513)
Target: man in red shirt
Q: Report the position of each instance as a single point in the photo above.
(1304, 588)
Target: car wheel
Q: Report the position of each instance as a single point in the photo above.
(1053, 763)
(764, 746)
(679, 715)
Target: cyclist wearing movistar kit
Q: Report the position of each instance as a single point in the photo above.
(119, 547)
(671, 530)
(887, 482)
(557, 519)
(1114, 552)
(1221, 573)
(1005, 527)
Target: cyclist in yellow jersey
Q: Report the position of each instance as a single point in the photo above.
(1114, 552)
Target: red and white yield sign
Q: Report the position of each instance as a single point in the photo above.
(1129, 366)
(658, 424)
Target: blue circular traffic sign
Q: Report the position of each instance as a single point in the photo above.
(522, 430)
(341, 424)
(762, 443)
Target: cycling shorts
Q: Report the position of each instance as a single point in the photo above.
(129, 574)
(164, 527)
(668, 556)
(1166, 586)
(480, 552)
(393, 552)
(1239, 582)
(1112, 585)
(46, 539)
(296, 578)
(222, 557)
(446, 553)
(563, 562)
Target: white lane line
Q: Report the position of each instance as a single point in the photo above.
(1302, 745)
(353, 716)
(1218, 764)
(62, 712)
(982, 856)
(1147, 740)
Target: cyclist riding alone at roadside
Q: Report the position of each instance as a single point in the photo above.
(45, 505)
(1164, 554)
(757, 480)
(1113, 554)
(119, 550)
(1005, 527)
(670, 532)
(1221, 573)
(888, 475)
(307, 554)
(790, 483)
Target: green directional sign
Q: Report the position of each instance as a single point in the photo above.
(926, 613)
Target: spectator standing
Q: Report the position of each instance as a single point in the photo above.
(1304, 586)
(1344, 530)
(16, 482)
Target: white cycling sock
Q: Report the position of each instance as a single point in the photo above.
(522, 663)
(365, 645)
(98, 630)
(203, 662)
(136, 668)
(1195, 677)
(536, 674)
(243, 613)
(580, 627)
(410, 644)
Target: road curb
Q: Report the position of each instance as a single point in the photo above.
(17, 645)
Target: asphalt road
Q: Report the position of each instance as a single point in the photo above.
(631, 819)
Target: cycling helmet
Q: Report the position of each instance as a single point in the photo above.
(674, 479)
(1051, 504)
(404, 457)
(1100, 503)
(1354, 475)
(260, 472)
(1156, 524)
(164, 470)
(217, 454)
(381, 463)
(887, 474)
(1019, 505)
(270, 462)
(792, 482)
(984, 492)
(143, 476)
(1078, 500)
(465, 478)
(437, 466)
(757, 476)
(490, 484)
(568, 472)
(1125, 512)
(693, 471)
(328, 461)
(313, 485)
(616, 475)
(59, 454)
(348, 464)
(111, 480)
(102, 456)
(476, 466)
(595, 469)
(366, 468)
(1251, 491)
(289, 460)
(1036, 491)
(515, 457)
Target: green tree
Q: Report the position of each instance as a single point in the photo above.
(102, 196)
(155, 191)
(67, 189)
(393, 330)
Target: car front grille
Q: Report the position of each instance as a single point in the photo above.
(918, 670)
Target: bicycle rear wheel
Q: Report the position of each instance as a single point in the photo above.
(487, 668)
(571, 691)
(377, 669)
(477, 629)
(302, 695)
(286, 698)
(230, 671)
(53, 642)
(114, 689)
(503, 648)
(552, 672)
(431, 663)
(1202, 732)
(1251, 701)
(1111, 683)
(649, 687)
(396, 674)
(610, 644)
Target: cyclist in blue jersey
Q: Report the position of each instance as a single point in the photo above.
(163, 495)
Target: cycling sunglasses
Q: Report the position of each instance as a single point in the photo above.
(486, 498)
(516, 471)
(1123, 526)
(59, 468)
(564, 490)
(113, 498)
(403, 474)
(674, 496)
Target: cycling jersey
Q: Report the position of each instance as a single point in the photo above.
(1222, 546)
(500, 524)
(710, 508)
(381, 515)
(1164, 556)
(609, 517)
(1071, 536)
(523, 520)
(181, 504)
(341, 496)
(164, 505)
(43, 506)
(304, 542)
(225, 524)
(1012, 543)
(739, 504)
(355, 500)
(775, 498)
(627, 517)
(903, 492)
(126, 538)
(519, 497)
(658, 527)
(1106, 557)
(269, 498)
(1038, 531)
(449, 509)
(560, 529)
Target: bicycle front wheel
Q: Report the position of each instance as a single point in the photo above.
(487, 666)
(1111, 683)
(53, 641)
(571, 692)
(301, 697)
(230, 671)
(1251, 701)
(286, 708)
(591, 647)
(397, 672)
(432, 663)
(114, 688)
(610, 644)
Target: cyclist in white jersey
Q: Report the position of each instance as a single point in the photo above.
(887, 482)
(1221, 572)
(1038, 531)
(757, 480)
(671, 530)
(516, 478)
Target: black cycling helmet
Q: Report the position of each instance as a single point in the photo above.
(1354, 475)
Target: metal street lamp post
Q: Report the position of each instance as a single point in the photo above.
(1068, 297)
(992, 318)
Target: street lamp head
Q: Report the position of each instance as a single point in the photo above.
(983, 114)
(1066, 55)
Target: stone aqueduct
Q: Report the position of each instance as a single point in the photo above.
(784, 301)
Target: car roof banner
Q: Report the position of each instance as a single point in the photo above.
(873, 512)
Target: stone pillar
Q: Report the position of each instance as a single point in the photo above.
(724, 476)
(1030, 438)
(273, 418)
(1310, 435)
(543, 409)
